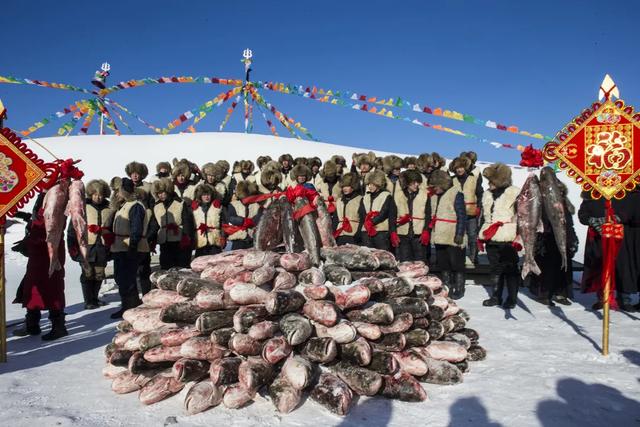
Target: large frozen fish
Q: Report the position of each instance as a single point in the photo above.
(529, 204)
(76, 211)
(54, 204)
(553, 204)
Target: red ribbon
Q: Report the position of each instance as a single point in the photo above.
(492, 230)
(68, 170)
(230, 229)
(331, 206)
(435, 219)
(369, 225)
(404, 219)
(345, 226)
(173, 227)
(204, 228)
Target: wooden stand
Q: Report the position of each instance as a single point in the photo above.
(3, 310)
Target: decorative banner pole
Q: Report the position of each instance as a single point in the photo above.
(100, 80)
(247, 55)
(600, 150)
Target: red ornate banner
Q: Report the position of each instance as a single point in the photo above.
(22, 173)
(600, 149)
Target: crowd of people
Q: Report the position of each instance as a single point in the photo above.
(410, 206)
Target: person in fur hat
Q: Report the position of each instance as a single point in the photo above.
(412, 217)
(130, 227)
(329, 186)
(346, 219)
(286, 161)
(208, 215)
(410, 163)
(245, 173)
(137, 172)
(99, 239)
(555, 284)
(377, 214)
(172, 226)
(392, 166)
(226, 180)
(260, 163)
(301, 175)
(301, 161)
(363, 164)
(163, 170)
(341, 163)
(447, 220)
(213, 175)
(499, 232)
(242, 218)
(424, 165)
(183, 187)
(473, 169)
(270, 178)
(471, 187)
(439, 162)
(315, 164)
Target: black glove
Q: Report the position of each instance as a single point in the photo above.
(458, 239)
(573, 248)
(596, 224)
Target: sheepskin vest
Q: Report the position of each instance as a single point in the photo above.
(502, 209)
(166, 216)
(316, 180)
(239, 178)
(424, 185)
(188, 194)
(376, 205)
(246, 212)
(329, 190)
(102, 218)
(350, 211)
(122, 231)
(469, 191)
(394, 187)
(287, 181)
(444, 223)
(418, 208)
(212, 236)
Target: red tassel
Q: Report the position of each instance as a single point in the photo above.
(369, 225)
(491, 230)
(404, 219)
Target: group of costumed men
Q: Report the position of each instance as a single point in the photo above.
(406, 206)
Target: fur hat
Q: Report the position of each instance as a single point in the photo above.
(271, 175)
(329, 170)
(207, 168)
(471, 155)
(115, 183)
(315, 161)
(205, 189)
(181, 168)
(440, 179)
(377, 178)
(213, 169)
(286, 157)
(339, 160)
(300, 170)
(262, 160)
(368, 158)
(163, 185)
(140, 168)
(460, 162)
(409, 160)
(409, 176)
(246, 164)
(438, 160)
(224, 165)
(97, 186)
(389, 163)
(498, 174)
(301, 161)
(378, 163)
(350, 180)
(424, 162)
(236, 167)
(245, 189)
(163, 165)
(126, 186)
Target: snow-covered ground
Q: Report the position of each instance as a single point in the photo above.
(543, 365)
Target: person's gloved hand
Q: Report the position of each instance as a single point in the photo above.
(395, 240)
(596, 223)
(458, 239)
(248, 223)
(425, 238)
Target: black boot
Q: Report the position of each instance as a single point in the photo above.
(458, 279)
(87, 295)
(97, 284)
(498, 285)
(58, 328)
(513, 282)
(446, 280)
(31, 324)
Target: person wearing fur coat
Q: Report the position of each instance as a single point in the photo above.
(99, 239)
(301, 175)
(138, 172)
(378, 214)
(471, 188)
(130, 227)
(329, 186)
(498, 233)
(184, 188)
(242, 218)
(392, 166)
(208, 215)
(446, 221)
(163, 170)
(171, 226)
(363, 164)
(213, 174)
(345, 219)
(412, 217)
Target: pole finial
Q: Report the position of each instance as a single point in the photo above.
(608, 89)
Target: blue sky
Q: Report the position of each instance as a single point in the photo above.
(531, 64)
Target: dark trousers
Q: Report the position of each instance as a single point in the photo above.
(450, 258)
(471, 227)
(208, 250)
(411, 249)
(241, 244)
(503, 262)
(125, 267)
(144, 271)
(346, 240)
(171, 255)
(379, 241)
